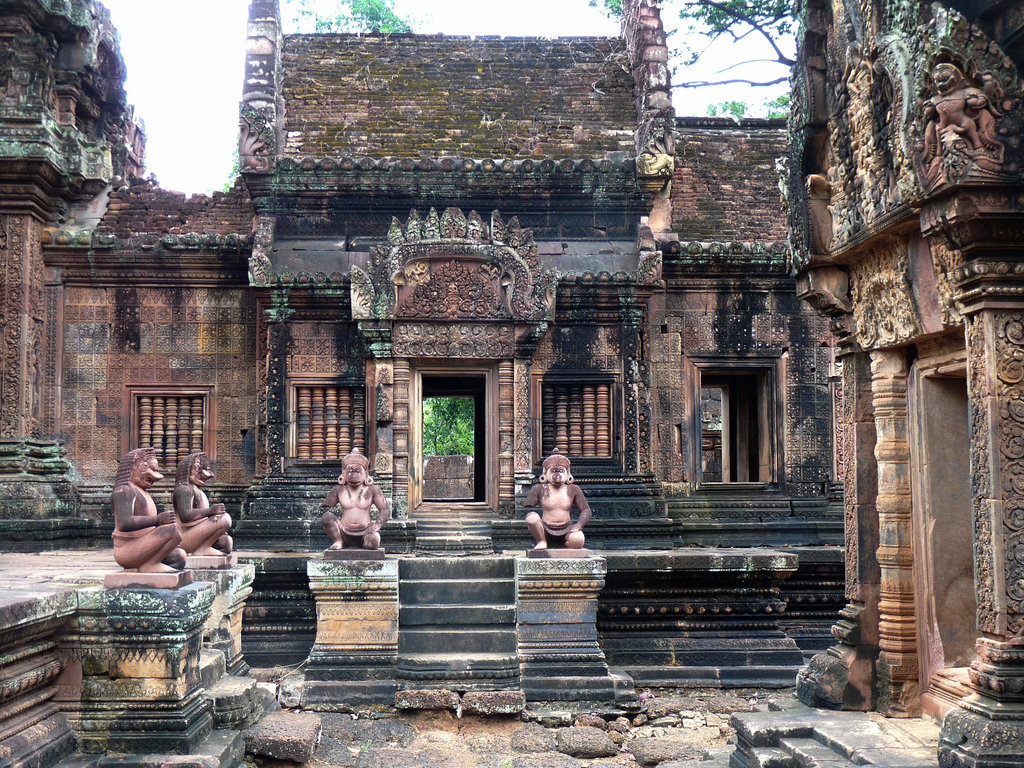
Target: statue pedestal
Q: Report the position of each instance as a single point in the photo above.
(558, 553)
(353, 553)
(141, 691)
(125, 579)
(223, 629)
(560, 659)
(352, 664)
(211, 561)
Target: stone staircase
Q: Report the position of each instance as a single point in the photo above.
(238, 700)
(453, 530)
(801, 737)
(457, 624)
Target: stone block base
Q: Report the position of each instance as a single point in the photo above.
(560, 659)
(352, 663)
(972, 740)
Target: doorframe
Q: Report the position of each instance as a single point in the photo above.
(489, 373)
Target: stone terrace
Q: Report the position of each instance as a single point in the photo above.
(432, 96)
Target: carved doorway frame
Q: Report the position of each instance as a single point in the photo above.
(488, 371)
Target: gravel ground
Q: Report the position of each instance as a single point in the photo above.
(677, 729)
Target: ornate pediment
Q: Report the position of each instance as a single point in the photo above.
(454, 267)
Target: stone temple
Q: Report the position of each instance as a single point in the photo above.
(524, 225)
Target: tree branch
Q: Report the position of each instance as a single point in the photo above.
(750, 21)
(703, 83)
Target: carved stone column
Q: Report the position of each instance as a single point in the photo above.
(33, 471)
(843, 676)
(898, 687)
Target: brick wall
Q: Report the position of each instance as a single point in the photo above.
(118, 337)
(145, 207)
(726, 186)
(432, 96)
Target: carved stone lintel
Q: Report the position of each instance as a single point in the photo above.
(883, 300)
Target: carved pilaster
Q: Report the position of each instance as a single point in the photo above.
(400, 466)
(843, 677)
(897, 625)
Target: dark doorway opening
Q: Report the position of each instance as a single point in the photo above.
(453, 435)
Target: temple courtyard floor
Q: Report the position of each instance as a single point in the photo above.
(692, 728)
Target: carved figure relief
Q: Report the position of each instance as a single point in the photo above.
(959, 129)
(454, 267)
(945, 259)
(883, 302)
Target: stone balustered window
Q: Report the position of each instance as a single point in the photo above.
(329, 420)
(175, 423)
(577, 418)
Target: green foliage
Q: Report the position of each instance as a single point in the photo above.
(233, 173)
(770, 108)
(777, 107)
(448, 426)
(344, 16)
(735, 109)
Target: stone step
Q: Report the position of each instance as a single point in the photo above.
(212, 667)
(454, 544)
(771, 757)
(457, 568)
(467, 591)
(458, 672)
(463, 640)
(447, 615)
(808, 753)
(238, 702)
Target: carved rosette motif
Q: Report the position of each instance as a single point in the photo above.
(1010, 373)
(454, 267)
(883, 301)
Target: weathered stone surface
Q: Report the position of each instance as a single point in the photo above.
(667, 705)
(493, 702)
(585, 742)
(292, 736)
(427, 699)
(546, 760)
(392, 757)
(533, 738)
(650, 752)
(592, 721)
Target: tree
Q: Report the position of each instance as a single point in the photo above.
(736, 20)
(771, 108)
(345, 16)
(448, 426)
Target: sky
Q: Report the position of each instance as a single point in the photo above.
(185, 60)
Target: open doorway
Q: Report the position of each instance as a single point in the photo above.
(943, 558)
(453, 438)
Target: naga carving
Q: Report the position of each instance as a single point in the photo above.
(454, 267)
(256, 143)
